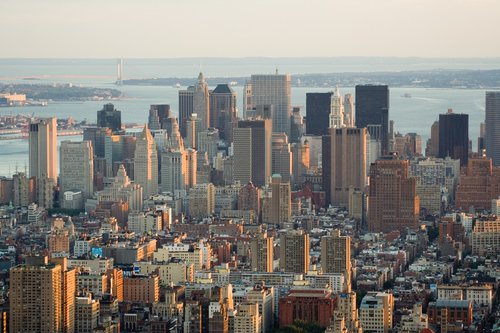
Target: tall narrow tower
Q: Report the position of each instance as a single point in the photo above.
(337, 110)
(43, 148)
(201, 103)
(119, 72)
(146, 163)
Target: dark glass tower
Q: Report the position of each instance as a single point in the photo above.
(326, 165)
(318, 106)
(492, 127)
(158, 116)
(372, 108)
(109, 117)
(454, 136)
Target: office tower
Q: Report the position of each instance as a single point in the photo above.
(318, 109)
(281, 204)
(223, 109)
(294, 251)
(77, 167)
(433, 143)
(336, 117)
(492, 130)
(192, 167)
(300, 161)
(481, 145)
(193, 127)
(375, 312)
(252, 152)
(96, 135)
(247, 99)
(43, 148)
(454, 136)
(185, 107)
(207, 142)
(297, 125)
(263, 111)
(249, 198)
(393, 203)
(478, 185)
(372, 108)
(281, 156)
(146, 163)
(109, 117)
(86, 314)
(174, 138)
(336, 254)
(348, 163)
(326, 167)
(201, 200)
(247, 319)
(349, 119)
(262, 249)
(174, 171)
(158, 116)
(275, 90)
(201, 102)
(42, 297)
(23, 190)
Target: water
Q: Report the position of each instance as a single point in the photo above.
(415, 114)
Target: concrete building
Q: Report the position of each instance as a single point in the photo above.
(281, 203)
(202, 200)
(122, 189)
(42, 297)
(146, 163)
(158, 116)
(347, 310)
(262, 249)
(336, 117)
(294, 251)
(450, 310)
(252, 152)
(141, 288)
(201, 102)
(86, 314)
(186, 99)
(300, 161)
(247, 319)
(274, 89)
(249, 198)
(336, 254)
(184, 252)
(264, 297)
(175, 271)
(376, 312)
(142, 222)
(348, 163)
(307, 304)
(485, 239)
(223, 109)
(77, 168)
(393, 203)
(281, 157)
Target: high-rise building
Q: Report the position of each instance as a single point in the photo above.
(97, 135)
(336, 254)
(297, 125)
(146, 163)
(347, 163)
(249, 198)
(185, 107)
(432, 148)
(492, 130)
(262, 249)
(318, 109)
(77, 167)
(247, 99)
(376, 311)
(372, 108)
(294, 251)
(336, 118)
(109, 117)
(252, 152)
(248, 319)
(346, 308)
(264, 298)
(158, 116)
(281, 156)
(201, 102)
(281, 204)
(42, 297)
(202, 200)
(326, 166)
(193, 127)
(86, 314)
(43, 148)
(393, 203)
(300, 161)
(274, 89)
(454, 136)
(223, 109)
(349, 118)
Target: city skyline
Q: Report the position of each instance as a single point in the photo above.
(421, 31)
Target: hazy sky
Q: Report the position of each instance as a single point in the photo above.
(237, 28)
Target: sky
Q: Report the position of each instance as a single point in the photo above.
(249, 28)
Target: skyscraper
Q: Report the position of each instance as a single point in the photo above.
(393, 203)
(492, 132)
(274, 89)
(347, 163)
(336, 254)
(262, 249)
(158, 116)
(146, 163)
(337, 110)
(318, 108)
(201, 102)
(247, 99)
(77, 167)
(281, 204)
(349, 119)
(249, 198)
(42, 297)
(454, 136)
(109, 117)
(185, 107)
(372, 108)
(294, 251)
(223, 109)
(281, 156)
(326, 166)
(43, 148)
(252, 151)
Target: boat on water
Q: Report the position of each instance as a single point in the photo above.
(406, 95)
